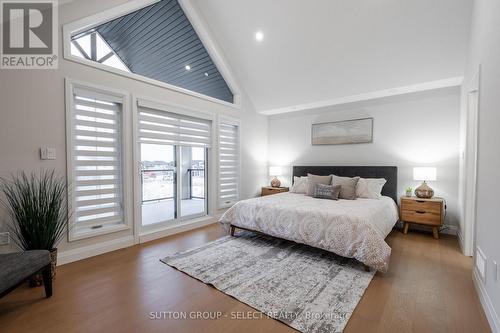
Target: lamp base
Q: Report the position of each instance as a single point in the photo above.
(424, 191)
(275, 182)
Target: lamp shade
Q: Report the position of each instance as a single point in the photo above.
(275, 171)
(424, 173)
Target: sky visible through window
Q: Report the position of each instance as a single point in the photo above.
(84, 47)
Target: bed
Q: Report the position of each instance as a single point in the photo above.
(350, 228)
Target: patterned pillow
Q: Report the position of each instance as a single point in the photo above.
(323, 191)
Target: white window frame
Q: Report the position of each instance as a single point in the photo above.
(75, 232)
(160, 105)
(222, 119)
(198, 24)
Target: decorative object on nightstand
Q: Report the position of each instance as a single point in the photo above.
(428, 212)
(409, 191)
(424, 174)
(275, 171)
(268, 190)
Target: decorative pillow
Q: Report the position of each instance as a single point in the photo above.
(370, 188)
(322, 191)
(312, 180)
(299, 185)
(347, 186)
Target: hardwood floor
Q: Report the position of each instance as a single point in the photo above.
(428, 289)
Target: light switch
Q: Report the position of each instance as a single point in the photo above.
(47, 153)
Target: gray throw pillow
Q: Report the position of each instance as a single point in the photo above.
(347, 186)
(312, 180)
(323, 191)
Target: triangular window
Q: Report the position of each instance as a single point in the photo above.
(157, 42)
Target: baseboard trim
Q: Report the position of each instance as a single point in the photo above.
(65, 257)
(193, 224)
(461, 242)
(489, 310)
(84, 252)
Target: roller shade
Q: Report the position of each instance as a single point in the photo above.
(97, 159)
(229, 164)
(160, 127)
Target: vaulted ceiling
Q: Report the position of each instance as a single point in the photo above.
(319, 50)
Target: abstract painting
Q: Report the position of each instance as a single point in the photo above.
(342, 132)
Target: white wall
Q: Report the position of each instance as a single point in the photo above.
(484, 50)
(32, 115)
(421, 129)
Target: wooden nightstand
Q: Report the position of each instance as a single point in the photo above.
(268, 190)
(429, 212)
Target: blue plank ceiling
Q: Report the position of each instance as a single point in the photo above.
(158, 42)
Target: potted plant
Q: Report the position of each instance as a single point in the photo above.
(38, 213)
(409, 191)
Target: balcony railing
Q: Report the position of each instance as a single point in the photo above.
(196, 173)
(152, 189)
(149, 176)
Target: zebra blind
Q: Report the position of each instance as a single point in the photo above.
(229, 164)
(96, 130)
(160, 127)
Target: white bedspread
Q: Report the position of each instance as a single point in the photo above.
(349, 228)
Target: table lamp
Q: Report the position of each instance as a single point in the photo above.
(424, 174)
(275, 171)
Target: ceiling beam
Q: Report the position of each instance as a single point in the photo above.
(426, 86)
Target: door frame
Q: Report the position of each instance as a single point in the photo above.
(161, 105)
(471, 165)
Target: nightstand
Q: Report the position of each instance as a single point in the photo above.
(268, 190)
(428, 212)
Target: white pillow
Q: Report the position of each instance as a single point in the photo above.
(370, 188)
(300, 185)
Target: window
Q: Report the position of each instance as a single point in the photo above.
(156, 43)
(229, 163)
(95, 160)
(173, 151)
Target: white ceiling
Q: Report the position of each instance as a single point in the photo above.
(321, 50)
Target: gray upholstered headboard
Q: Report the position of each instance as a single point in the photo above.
(390, 173)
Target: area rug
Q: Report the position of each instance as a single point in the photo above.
(309, 289)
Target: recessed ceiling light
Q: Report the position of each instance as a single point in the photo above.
(259, 36)
(188, 68)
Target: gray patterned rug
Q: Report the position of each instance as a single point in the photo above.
(306, 288)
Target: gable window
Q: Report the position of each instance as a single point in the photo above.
(95, 162)
(156, 43)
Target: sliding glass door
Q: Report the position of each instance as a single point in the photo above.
(158, 183)
(192, 172)
(173, 165)
(173, 183)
